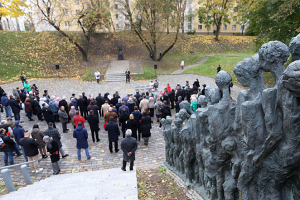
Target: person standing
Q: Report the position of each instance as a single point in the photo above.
(137, 117)
(177, 107)
(53, 132)
(165, 111)
(48, 114)
(109, 114)
(81, 136)
(123, 119)
(145, 127)
(82, 104)
(72, 114)
(128, 146)
(5, 105)
(53, 152)
(203, 90)
(15, 107)
(131, 124)
(113, 134)
(94, 108)
(8, 149)
(151, 104)
(127, 76)
(125, 107)
(23, 78)
(218, 69)
(182, 64)
(63, 102)
(94, 125)
(97, 76)
(38, 135)
(104, 107)
(31, 151)
(194, 104)
(54, 108)
(78, 118)
(144, 104)
(37, 108)
(63, 118)
(18, 132)
(27, 86)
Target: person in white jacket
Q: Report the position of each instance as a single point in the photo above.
(97, 75)
(182, 64)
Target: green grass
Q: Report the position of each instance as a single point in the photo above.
(209, 68)
(149, 73)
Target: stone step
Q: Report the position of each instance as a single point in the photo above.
(102, 184)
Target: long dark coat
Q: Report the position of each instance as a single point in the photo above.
(64, 104)
(94, 122)
(131, 124)
(36, 107)
(146, 126)
(113, 131)
(128, 144)
(81, 135)
(82, 103)
(15, 107)
(123, 118)
(137, 116)
(54, 151)
(48, 114)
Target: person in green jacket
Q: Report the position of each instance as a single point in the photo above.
(27, 86)
(194, 105)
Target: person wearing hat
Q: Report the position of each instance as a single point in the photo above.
(113, 134)
(31, 151)
(5, 105)
(53, 132)
(18, 132)
(53, 152)
(203, 90)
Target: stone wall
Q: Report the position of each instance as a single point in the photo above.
(249, 147)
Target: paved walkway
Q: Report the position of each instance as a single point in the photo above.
(147, 156)
(203, 60)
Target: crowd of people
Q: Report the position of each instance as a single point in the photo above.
(132, 115)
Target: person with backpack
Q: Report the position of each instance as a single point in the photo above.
(7, 147)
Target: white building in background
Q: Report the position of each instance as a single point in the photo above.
(13, 24)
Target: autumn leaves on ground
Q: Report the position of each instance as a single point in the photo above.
(36, 54)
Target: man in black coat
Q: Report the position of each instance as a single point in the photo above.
(128, 146)
(15, 107)
(127, 76)
(37, 108)
(114, 100)
(137, 96)
(172, 98)
(177, 107)
(113, 134)
(48, 114)
(99, 100)
(94, 125)
(22, 95)
(64, 103)
(82, 104)
(31, 151)
(165, 111)
(94, 108)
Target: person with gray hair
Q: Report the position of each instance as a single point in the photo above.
(128, 146)
(53, 152)
(54, 108)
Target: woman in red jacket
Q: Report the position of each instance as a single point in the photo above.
(28, 109)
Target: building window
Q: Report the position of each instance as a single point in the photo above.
(208, 28)
(199, 27)
(63, 1)
(209, 18)
(234, 18)
(116, 6)
(190, 10)
(117, 25)
(242, 27)
(164, 26)
(190, 19)
(225, 27)
(117, 16)
(76, 1)
(173, 27)
(190, 27)
(67, 24)
(233, 27)
(127, 26)
(235, 9)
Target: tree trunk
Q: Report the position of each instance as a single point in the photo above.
(182, 23)
(168, 26)
(170, 47)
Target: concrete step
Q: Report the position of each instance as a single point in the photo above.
(111, 184)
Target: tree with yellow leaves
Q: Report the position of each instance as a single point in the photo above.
(215, 12)
(13, 8)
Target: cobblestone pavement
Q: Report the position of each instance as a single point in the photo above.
(146, 156)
